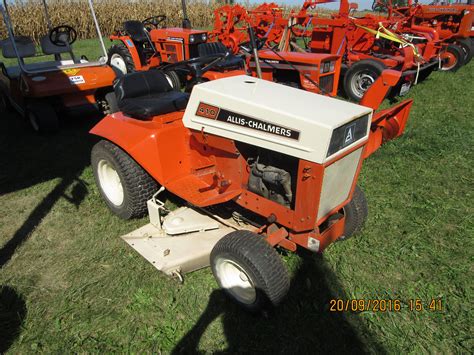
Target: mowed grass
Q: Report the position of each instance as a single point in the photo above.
(70, 284)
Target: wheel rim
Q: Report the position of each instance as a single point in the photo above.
(110, 182)
(449, 61)
(118, 62)
(33, 121)
(235, 280)
(361, 82)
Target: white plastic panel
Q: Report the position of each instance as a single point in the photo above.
(274, 116)
(337, 182)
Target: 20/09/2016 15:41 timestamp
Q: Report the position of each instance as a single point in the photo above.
(385, 305)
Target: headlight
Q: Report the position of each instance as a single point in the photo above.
(191, 39)
(204, 37)
(332, 66)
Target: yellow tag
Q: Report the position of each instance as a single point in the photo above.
(71, 71)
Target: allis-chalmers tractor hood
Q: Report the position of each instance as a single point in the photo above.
(277, 117)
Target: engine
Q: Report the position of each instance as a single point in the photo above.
(271, 182)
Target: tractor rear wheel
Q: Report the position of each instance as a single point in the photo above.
(360, 76)
(42, 117)
(453, 58)
(124, 185)
(355, 212)
(121, 59)
(249, 270)
(467, 49)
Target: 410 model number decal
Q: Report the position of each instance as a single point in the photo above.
(218, 114)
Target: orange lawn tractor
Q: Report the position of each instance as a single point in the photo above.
(147, 44)
(454, 23)
(368, 45)
(256, 167)
(41, 90)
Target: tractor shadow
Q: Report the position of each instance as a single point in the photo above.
(12, 314)
(28, 159)
(302, 324)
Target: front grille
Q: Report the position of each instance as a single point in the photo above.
(326, 82)
(337, 182)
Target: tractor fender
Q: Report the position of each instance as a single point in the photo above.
(377, 92)
(149, 143)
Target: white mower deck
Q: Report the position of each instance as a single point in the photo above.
(180, 242)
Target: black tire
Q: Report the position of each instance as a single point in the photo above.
(356, 212)
(137, 185)
(42, 117)
(257, 261)
(458, 56)
(360, 76)
(111, 102)
(120, 51)
(467, 49)
(424, 74)
(4, 102)
(173, 77)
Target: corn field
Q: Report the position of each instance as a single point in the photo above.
(28, 16)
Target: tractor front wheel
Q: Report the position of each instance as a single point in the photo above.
(249, 270)
(42, 117)
(355, 212)
(467, 49)
(124, 185)
(121, 59)
(360, 76)
(452, 58)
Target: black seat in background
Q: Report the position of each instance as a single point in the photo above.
(136, 30)
(230, 63)
(145, 94)
(25, 46)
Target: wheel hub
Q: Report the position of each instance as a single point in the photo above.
(449, 61)
(361, 83)
(235, 280)
(110, 182)
(118, 62)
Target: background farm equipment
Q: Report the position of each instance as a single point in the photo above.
(39, 90)
(454, 23)
(148, 44)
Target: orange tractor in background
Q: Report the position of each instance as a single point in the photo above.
(367, 45)
(453, 22)
(147, 44)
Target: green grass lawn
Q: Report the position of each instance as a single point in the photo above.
(69, 284)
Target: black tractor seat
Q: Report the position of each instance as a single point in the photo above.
(145, 94)
(136, 31)
(232, 62)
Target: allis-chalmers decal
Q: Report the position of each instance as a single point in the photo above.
(216, 113)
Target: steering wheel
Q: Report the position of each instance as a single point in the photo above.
(154, 20)
(62, 35)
